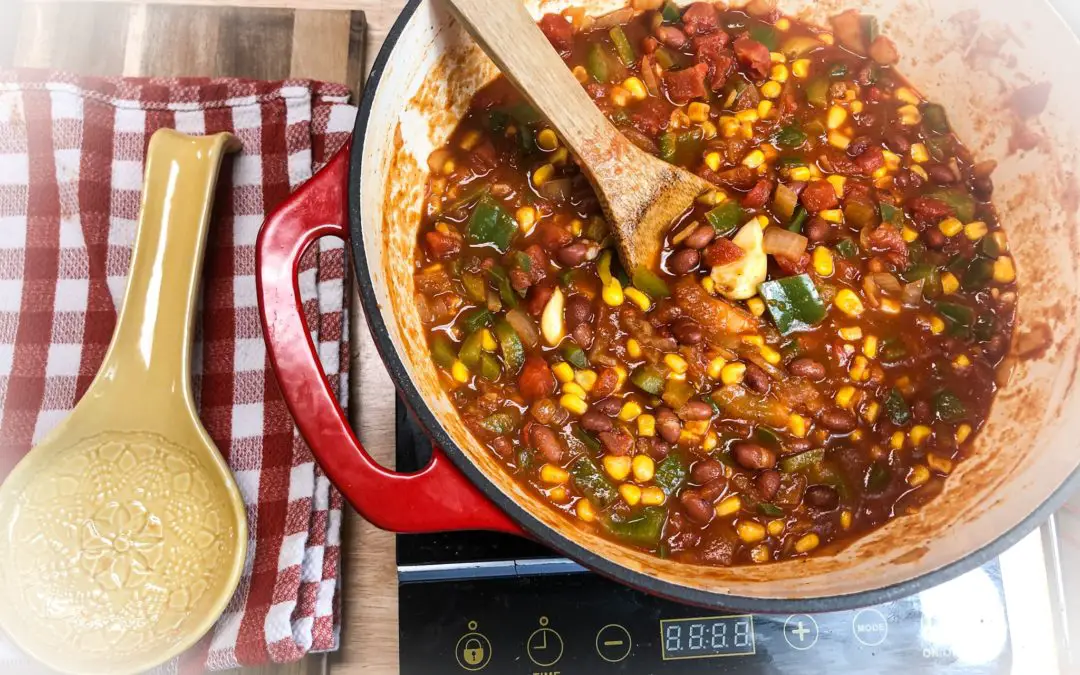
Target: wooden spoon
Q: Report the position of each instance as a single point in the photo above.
(641, 194)
(122, 533)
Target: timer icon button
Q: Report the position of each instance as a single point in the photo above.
(545, 646)
(870, 627)
(801, 632)
(613, 643)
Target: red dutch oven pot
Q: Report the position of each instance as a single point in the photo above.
(371, 195)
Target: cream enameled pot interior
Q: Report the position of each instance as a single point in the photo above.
(970, 55)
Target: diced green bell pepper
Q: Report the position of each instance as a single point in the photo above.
(586, 438)
(798, 219)
(442, 351)
(847, 248)
(978, 275)
(959, 318)
(790, 137)
(959, 199)
(491, 224)
(574, 355)
(591, 482)
(646, 281)
(623, 48)
(513, 352)
(643, 529)
(475, 288)
(475, 320)
(670, 474)
(793, 302)
(669, 145)
(648, 379)
(878, 478)
(670, 12)
(948, 407)
(506, 290)
(897, 408)
(770, 510)
(817, 92)
(838, 70)
(502, 422)
(471, 349)
(596, 63)
(803, 461)
(935, 119)
(490, 369)
(766, 35)
(726, 218)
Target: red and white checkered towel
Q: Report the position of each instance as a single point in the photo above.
(71, 167)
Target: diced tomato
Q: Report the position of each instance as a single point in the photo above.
(443, 246)
(753, 56)
(930, 211)
(712, 50)
(722, 252)
(792, 266)
(871, 160)
(552, 236)
(819, 195)
(886, 238)
(536, 379)
(651, 116)
(700, 18)
(538, 298)
(758, 195)
(687, 84)
(559, 32)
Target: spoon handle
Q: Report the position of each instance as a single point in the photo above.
(521, 51)
(150, 351)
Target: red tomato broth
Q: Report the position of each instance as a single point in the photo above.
(884, 414)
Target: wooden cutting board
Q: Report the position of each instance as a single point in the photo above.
(265, 39)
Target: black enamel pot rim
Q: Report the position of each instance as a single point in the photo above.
(556, 540)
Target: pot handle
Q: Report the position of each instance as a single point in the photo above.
(436, 498)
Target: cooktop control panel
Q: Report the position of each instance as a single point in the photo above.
(581, 624)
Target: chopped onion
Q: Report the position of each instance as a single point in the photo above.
(524, 327)
(870, 290)
(887, 283)
(779, 241)
(557, 190)
(616, 18)
(912, 295)
(784, 201)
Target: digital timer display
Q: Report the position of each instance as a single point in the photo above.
(707, 637)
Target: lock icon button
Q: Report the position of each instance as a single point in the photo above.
(473, 650)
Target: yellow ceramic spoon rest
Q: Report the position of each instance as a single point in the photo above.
(123, 534)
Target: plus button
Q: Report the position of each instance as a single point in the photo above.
(801, 632)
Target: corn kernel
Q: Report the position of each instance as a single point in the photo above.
(448, 167)
(750, 532)
(576, 227)
(750, 115)
(547, 140)
(580, 74)
(586, 379)
(753, 340)
(564, 373)
(937, 325)
(526, 218)
(836, 117)
(921, 172)
(860, 369)
(638, 298)
(896, 441)
(909, 234)
(763, 221)
(470, 140)
(856, 107)
(728, 507)
(679, 119)
(1004, 270)
(807, 543)
(962, 361)
(765, 108)
(905, 95)
(755, 159)
(890, 306)
(1001, 240)
(949, 283)
(881, 176)
(708, 130)
(832, 215)
(585, 510)
(918, 475)
(698, 112)
(460, 372)
(827, 38)
(761, 554)
(800, 68)
(633, 348)
(800, 173)
(712, 160)
(710, 442)
(559, 157)
(870, 346)
(756, 306)
(770, 355)
(845, 396)
(574, 404)
(652, 496)
(857, 436)
(676, 363)
(709, 285)
(613, 293)
(919, 433)
(975, 231)
(839, 140)
(575, 389)
(729, 127)
(823, 261)
(620, 373)
(771, 89)
(543, 174)
(646, 425)
(892, 160)
(851, 333)
(951, 227)
(487, 341)
(630, 493)
(636, 88)
(558, 494)
(779, 73)
(619, 96)
(630, 411)
(909, 115)
(845, 519)
(644, 468)
(553, 475)
(733, 373)
(849, 303)
(838, 183)
(715, 367)
(712, 198)
(776, 527)
(616, 467)
(919, 153)
(940, 464)
(870, 414)
(962, 433)
(797, 425)
(783, 24)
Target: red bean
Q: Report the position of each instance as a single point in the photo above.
(653, 447)
(687, 332)
(578, 311)
(607, 406)
(808, 368)
(595, 422)
(695, 411)
(572, 255)
(701, 237)
(684, 261)
(548, 444)
(768, 484)
(697, 508)
(753, 456)
(668, 425)
(822, 497)
(502, 446)
(839, 420)
(713, 489)
(706, 470)
(817, 230)
(757, 379)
